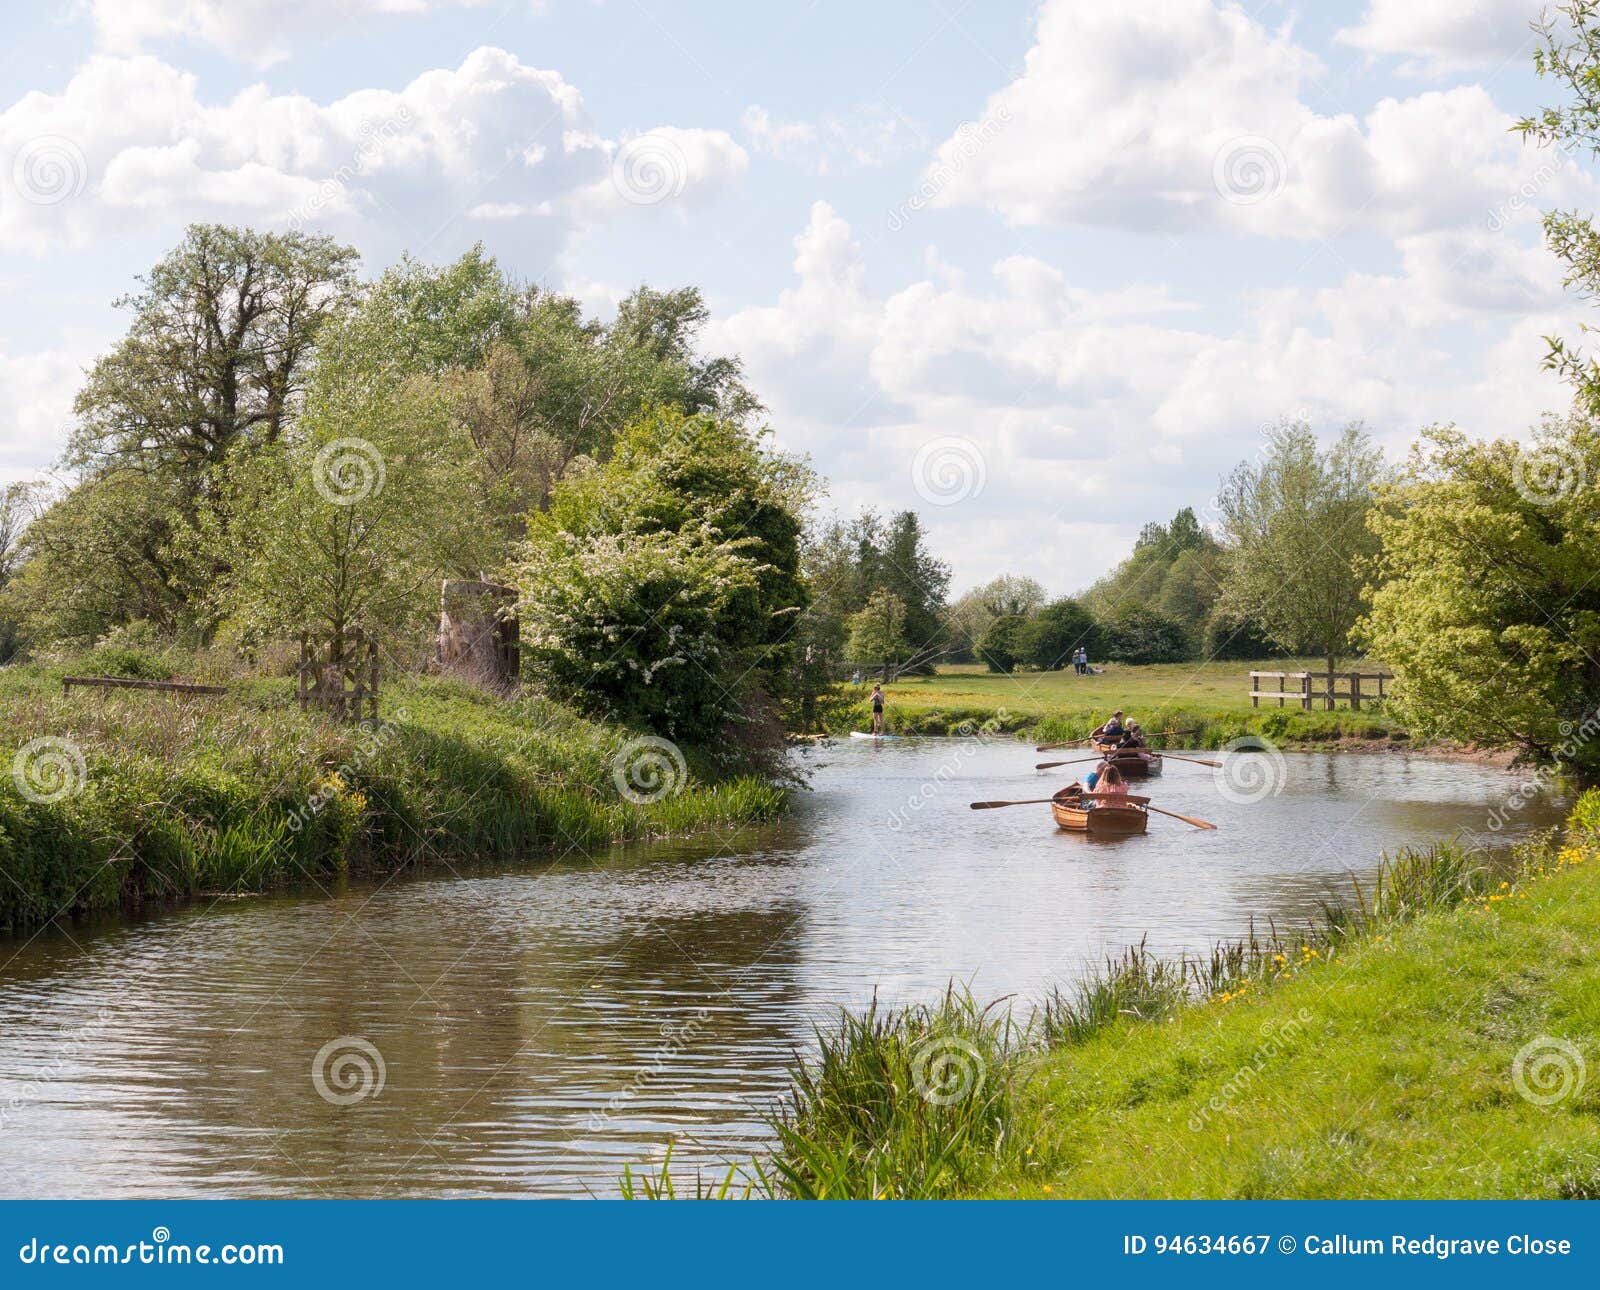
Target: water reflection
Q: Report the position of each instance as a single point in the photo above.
(538, 1029)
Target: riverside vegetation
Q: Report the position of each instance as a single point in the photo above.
(1446, 993)
(120, 798)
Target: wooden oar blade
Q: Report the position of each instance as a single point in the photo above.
(1187, 819)
(989, 806)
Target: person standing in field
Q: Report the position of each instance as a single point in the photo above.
(877, 709)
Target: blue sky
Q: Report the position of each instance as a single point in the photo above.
(1043, 271)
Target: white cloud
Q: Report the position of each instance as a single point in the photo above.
(1182, 115)
(130, 142)
(261, 32)
(1442, 36)
(36, 392)
(1097, 409)
(872, 135)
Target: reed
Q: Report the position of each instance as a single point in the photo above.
(859, 1121)
(173, 798)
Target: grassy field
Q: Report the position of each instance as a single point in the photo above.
(1211, 696)
(1430, 1042)
(116, 798)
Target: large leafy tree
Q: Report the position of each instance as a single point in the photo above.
(969, 616)
(216, 354)
(1486, 603)
(878, 633)
(1296, 526)
(663, 587)
(1176, 568)
(1055, 631)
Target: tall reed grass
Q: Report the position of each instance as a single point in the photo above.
(174, 797)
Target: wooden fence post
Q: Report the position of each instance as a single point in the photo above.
(1355, 692)
(1305, 691)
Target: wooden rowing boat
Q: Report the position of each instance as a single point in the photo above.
(1100, 820)
(1134, 763)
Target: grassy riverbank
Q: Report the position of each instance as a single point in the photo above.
(1432, 1045)
(116, 798)
(1211, 699)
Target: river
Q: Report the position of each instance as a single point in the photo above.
(538, 1028)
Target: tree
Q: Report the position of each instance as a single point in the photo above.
(1297, 530)
(1228, 636)
(878, 633)
(1055, 631)
(217, 352)
(1001, 646)
(967, 619)
(1569, 52)
(902, 564)
(1485, 600)
(20, 505)
(351, 524)
(1141, 635)
(1174, 567)
(706, 519)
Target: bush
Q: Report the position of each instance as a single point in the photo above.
(1050, 636)
(1001, 644)
(1230, 636)
(1144, 636)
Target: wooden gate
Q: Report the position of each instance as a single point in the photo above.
(345, 683)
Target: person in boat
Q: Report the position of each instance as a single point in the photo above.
(1108, 788)
(1133, 737)
(877, 709)
(1110, 729)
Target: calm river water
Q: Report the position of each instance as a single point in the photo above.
(539, 1028)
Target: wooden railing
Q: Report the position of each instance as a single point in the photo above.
(128, 683)
(1310, 687)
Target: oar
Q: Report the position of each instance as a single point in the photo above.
(989, 806)
(1198, 761)
(1057, 747)
(1076, 761)
(1199, 824)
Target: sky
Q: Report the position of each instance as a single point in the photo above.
(1041, 271)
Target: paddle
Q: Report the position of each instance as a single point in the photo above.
(1039, 801)
(1199, 824)
(1057, 747)
(1198, 761)
(1076, 761)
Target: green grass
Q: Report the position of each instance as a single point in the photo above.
(1212, 699)
(1372, 1054)
(177, 797)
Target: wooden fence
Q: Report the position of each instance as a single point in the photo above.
(345, 685)
(1311, 687)
(129, 683)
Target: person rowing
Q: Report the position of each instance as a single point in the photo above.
(1133, 737)
(1110, 729)
(1107, 786)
